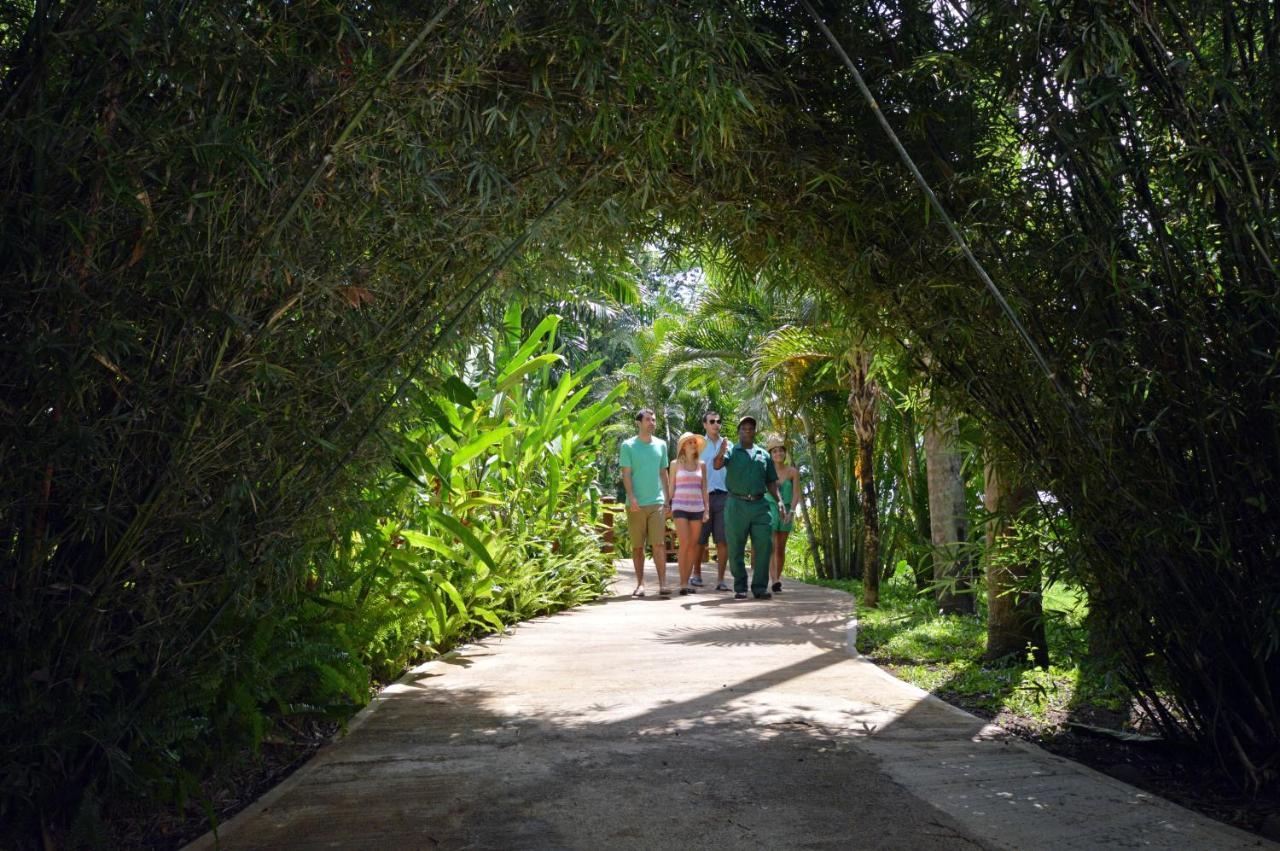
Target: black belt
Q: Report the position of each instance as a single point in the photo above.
(747, 497)
(718, 490)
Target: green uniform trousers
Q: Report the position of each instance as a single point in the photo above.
(743, 518)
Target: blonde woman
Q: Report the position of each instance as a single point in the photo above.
(782, 511)
(689, 503)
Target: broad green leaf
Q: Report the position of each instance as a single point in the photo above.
(553, 484)
(427, 584)
(452, 592)
(475, 502)
(522, 354)
(457, 391)
(442, 412)
(488, 617)
(465, 453)
(525, 368)
(423, 541)
(511, 324)
(468, 538)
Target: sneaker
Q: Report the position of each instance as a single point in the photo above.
(696, 581)
(765, 596)
(777, 587)
(720, 586)
(740, 595)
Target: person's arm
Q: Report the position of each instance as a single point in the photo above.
(666, 487)
(624, 462)
(706, 497)
(718, 461)
(788, 511)
(631, 495)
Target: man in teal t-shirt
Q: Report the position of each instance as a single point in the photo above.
(643, 460)
(749, 475)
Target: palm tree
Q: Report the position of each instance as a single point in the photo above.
(842, 366)
(648, 373)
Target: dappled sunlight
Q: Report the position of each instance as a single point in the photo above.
(819, 631)
(758, 707)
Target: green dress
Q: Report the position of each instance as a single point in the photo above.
(775, 523)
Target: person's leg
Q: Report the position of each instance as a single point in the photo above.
(779, 557)
(688, 549)
(773, 560)
(719, 504)
(637, 529)
(761, 549)
(735, 527)
(700, 555)
(658, 544)
(682, 551)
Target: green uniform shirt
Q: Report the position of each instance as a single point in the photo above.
(748, 471)
(646, 461)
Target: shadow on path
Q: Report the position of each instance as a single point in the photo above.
(708, 723)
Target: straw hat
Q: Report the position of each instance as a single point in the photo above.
(774, 442)
(698, 441)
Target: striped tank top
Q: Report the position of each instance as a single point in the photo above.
(688, 495)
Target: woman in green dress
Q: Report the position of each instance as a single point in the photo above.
(781, 516)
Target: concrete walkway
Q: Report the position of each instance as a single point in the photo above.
(692, 722)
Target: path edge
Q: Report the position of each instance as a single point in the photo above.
(211, 839)
(991, 731)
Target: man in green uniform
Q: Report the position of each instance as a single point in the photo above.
(749, 474)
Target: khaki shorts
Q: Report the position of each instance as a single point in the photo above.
(646, 526)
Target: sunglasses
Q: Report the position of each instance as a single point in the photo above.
(713, 421)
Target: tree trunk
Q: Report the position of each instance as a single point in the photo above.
(823, 555)
(863, 393)
(871, 522)
(918, 494)
(844, 565)
(948, 519)
(1015, 618)
(814, 552)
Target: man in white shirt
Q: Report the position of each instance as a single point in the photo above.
(718, 494)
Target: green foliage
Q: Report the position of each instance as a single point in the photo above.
(943, 654)
(238, 236)
(488, 516)
(234, 235)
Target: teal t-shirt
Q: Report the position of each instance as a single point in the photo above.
(646, 461)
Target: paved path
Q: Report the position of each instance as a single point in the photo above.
(692, 722)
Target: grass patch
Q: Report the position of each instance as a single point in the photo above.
(943, 655)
